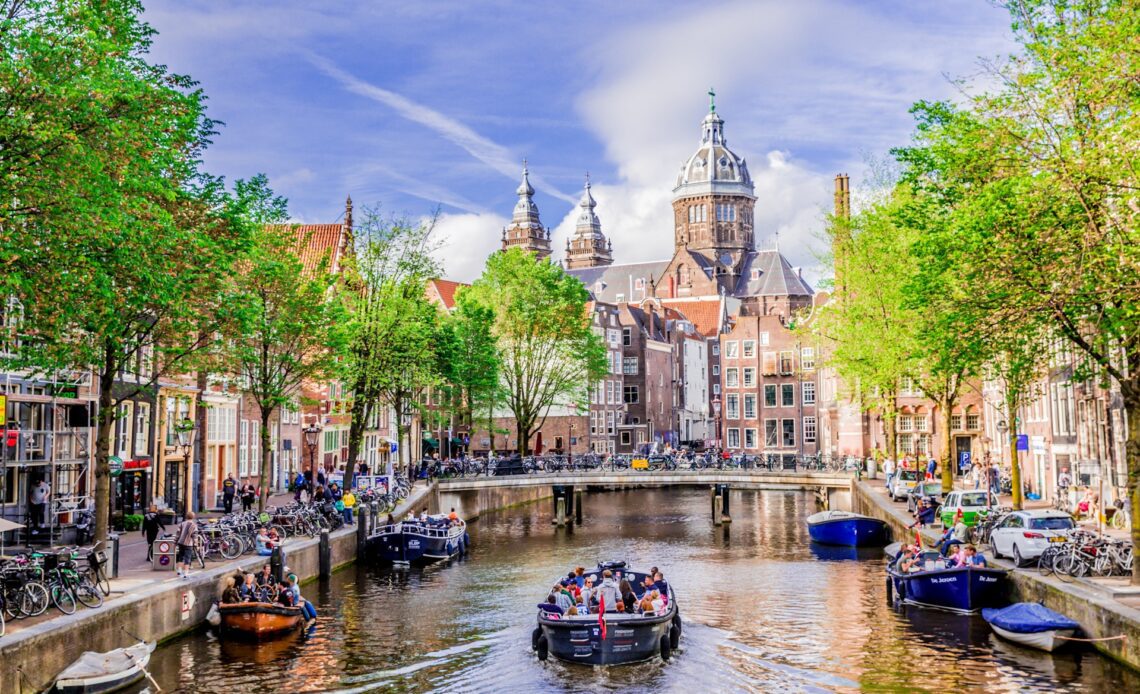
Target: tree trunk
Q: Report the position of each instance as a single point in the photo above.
(201, 414)
(1132, 456)
(1011, 406)
(948, 461)
(524, 438)
(266, 458)
(360, 413)
(105, 424)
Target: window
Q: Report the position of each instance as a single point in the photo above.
(631, 396)
(749, 349)
(716, 369)
(627, 336)
(955, 422)
(750, 406)
(769, 363)
(732, 406)
(973, 421)
(771, 433)
(126, 428)
(906, 443)
(255, 446)
(615, 362)
(613, 336)
(922, 445)
(920, 423)
(787, 394)
(770, 395)
(807, 358)
(610, 423)
(612, 392)
(788, 433)
(786, 362)
(749, 377)
(243, 448)
(716, 349)
(750, 438)
(809, 392)
(734, 438)
(732, 377)
(906, 423)
(809, 429)
(730, 349)
(142, 429)
(716, 389)
(629, 366)
(594, 421)
(764, 339)
(625, 438)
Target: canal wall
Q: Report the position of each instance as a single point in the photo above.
(30, 658)
(1093, 607)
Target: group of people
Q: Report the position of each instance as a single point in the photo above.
(579, 594)
(911, 558)
(231, 489)
(263, 587)
(317, 491)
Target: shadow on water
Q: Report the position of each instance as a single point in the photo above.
(764, 610)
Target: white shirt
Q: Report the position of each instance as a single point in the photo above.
(889, 467)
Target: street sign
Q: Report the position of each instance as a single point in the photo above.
(1023, 442)
(187, 604)
(116, 465)
(393, 447)
(3, 410)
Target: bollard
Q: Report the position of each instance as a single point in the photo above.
(375, 506)
(325, 554)
(718, 519)
(277, 564)
(726, 515)
(362, 526)
(560, 511)
(114, 556)
(578, 507)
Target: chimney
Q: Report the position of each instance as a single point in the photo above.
(842, 196)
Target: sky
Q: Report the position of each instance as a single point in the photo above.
(420, 106)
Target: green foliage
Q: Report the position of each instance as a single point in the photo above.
(469, 361)
(548, 354)
(132, 521)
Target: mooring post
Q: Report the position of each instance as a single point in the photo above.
(325, 554)
(362, 528)
(578, 507)
(726, 515)
(560, 511)
(718, 519)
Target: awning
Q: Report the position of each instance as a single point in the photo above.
(431, 442)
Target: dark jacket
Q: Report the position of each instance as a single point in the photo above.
(151, 524)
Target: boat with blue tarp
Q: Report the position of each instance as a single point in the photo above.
(420, 541)
(1031, 624)
(931, 583)
(847, 529)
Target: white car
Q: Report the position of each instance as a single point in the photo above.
(1024, 535)
(903, 482)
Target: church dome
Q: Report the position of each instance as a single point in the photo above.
(713, 168)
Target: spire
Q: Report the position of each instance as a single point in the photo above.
(348, 212)
(588, 224)
(526, 212)
(525, 188)
(588, 247)
(712, 100)
(526, 230)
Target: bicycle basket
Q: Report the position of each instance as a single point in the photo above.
(96, 559)
(51, 561)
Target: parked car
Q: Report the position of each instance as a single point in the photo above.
(903, 482)
(969, 502)
(1024, 535)
(925, 490)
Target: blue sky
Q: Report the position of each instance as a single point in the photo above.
(414, 105)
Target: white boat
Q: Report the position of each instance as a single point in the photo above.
(105, 672)
(1031, 624)
(1041, 640)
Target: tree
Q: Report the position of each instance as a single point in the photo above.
(469, 363)
(114, 242)
(548, 353)
(284, 323)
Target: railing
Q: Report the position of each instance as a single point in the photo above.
(422, 529)
(586, 464)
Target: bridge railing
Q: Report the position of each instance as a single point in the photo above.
(554, 465)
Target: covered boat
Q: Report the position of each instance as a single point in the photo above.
(420, 542)
(105, 672)
(847, 529)
(613, 638)
(964, 589)
(1031, 624)
(259, 620)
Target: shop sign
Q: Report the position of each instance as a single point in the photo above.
(116, 464)
(137, 464)
(3, 410)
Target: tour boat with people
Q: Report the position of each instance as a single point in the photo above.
(602, 636)
(105, 672)
(847, 529)
(963, 589)
(420, 541)
(1031, 624)
(259, 620)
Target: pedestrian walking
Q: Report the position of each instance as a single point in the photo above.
(229, 489)
(151, 525)
(187, 534)
(248, 496)
(994, 480)
(889, 471)
(931, 468)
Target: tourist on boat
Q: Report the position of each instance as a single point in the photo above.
(608, 590)
(580, 577)
(265, 576)
(956, 534)
(293, 586)
(453, 517)
(551, 606)
(248, 591)
(285, 596)
(231, 594)
(646, 604)
(424, 515)
(628, 599)
(561, 597)
(659, 583)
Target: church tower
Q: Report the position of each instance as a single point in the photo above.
(713, 200)
(588, 247)
(526, 230)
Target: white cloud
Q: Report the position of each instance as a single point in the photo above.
(466, 241)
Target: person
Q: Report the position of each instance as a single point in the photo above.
(229, 488)
(306, 607)
(187, 534)
(889, 470)
(956, 534)
(248, 589)
(911, 560)
(579, 576)
(363, 470)
(151, 525)
(424, 515)
(561, 598)
(308, 484)
(265, 544)
(628, 599)
(248, 496)
(265, 576)
(588, 590)
(646, 604)
(972, 558)
(659, 583)
(976, 474)
(453, 516)
(231, 595)
(994, 479)
(285, 597)
(551, 606)
(925, 515)
(349, 501)
(321, 479)
(37, 501)
(298, 486)
(608, 591)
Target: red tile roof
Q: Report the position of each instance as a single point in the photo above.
(704, 314)
(445, 291)
(319, 243)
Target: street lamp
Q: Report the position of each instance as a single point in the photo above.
(716, 415)
(184, 432)
(312, 432)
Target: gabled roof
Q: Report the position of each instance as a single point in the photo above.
(775, 276)
(605, 283)
(444, 291)
(705, 313)
(319, 243)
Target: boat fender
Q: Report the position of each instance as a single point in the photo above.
(543, 648)
(674, 636)
(890, 590)
(214, 616)
(534, 637)
(666, 649)
(677, 622)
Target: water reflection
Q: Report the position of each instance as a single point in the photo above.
(764, 610)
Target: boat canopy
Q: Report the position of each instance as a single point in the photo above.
(1028, 618)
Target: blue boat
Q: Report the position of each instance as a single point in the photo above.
(1031, 624)
(964, 589)
(419, 542)
(847, 529)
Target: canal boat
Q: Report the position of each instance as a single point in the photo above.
(847, 529)
(259, 620)
(419, 542)
(105, 672)
(1031, 624)
(964, 589)
(613, 638)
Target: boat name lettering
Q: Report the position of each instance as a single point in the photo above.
(952, 579)
(413, 543)
(987, 579)
(623, 632)
(623, 648)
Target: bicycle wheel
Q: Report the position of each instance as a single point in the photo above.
(230, 547)
(99, 579)
(63, 598)
(88, 595)
(33, 599)
(200, 555)
(1045, 563)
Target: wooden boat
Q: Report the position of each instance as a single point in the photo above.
(259, 619)
(847, 529)
(1031, 624)
(964, 589)
(105, 672)
(616, 640)
(418, 542)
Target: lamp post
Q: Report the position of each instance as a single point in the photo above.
(312, 434)
(184, 432)
(716, 416)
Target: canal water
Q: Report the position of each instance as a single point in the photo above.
(764, 611)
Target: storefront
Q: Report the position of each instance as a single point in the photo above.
(132, 486)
